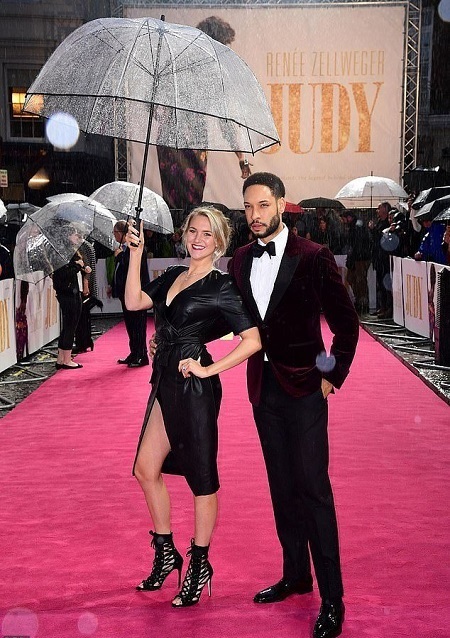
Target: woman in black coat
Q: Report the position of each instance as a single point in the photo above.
(66, 282)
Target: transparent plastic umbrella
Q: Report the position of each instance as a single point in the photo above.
(154, 82)
(51, 236)
(121, 198)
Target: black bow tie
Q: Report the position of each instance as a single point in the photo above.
(260, 249)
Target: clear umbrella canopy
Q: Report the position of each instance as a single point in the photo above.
(109, 71)
(51, 236)
(154, 82)
(121, 198)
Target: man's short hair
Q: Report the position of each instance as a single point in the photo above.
(273, 183)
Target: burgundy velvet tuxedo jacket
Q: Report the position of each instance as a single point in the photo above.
(308, 282)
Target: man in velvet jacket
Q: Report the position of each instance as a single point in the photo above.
(289, 380)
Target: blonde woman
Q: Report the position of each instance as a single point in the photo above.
(193, 305)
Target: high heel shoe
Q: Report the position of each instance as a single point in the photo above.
(199, 574)
(167, 558)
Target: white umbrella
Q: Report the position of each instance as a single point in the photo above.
(363, 190)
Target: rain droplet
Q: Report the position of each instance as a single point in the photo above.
(325, 363)
(387, 282)
(417, 419)
(87, 623)
(444, 10)
(62, 130)
(389, 242)
(20, 622)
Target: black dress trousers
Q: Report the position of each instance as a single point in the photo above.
(294, 440)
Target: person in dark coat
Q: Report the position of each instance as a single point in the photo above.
(67, 285)
(135, 320)
(358, 259)
(381, 262)
(286, 281)
(6, 263)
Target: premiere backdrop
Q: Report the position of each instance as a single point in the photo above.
(333, 77)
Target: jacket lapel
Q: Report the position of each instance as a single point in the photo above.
(247, 288)
(289, 263)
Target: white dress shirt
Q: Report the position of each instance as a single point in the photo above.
(265, 270)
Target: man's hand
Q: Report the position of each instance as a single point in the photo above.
(327, 387)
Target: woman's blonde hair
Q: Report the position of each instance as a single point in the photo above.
(220, 228)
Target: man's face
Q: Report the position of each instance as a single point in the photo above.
(382, 211)
(263, 211)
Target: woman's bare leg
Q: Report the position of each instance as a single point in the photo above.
(154, 448)
(205, 518)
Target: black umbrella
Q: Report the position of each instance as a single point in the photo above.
(429, 195)
(433, 208)
(321, 202)
(444, 216)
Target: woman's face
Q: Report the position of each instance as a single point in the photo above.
(199, 238)
(74, 236)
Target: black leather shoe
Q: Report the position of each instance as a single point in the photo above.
(282, 590)
(329, 621)
(125, 361)
(138, 363)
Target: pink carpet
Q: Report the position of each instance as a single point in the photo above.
(74, 529)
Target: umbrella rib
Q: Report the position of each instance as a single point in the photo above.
(97, 97)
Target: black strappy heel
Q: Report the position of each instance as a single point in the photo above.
(167, 558)
(198, 575)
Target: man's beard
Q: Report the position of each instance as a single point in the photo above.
(271, 228)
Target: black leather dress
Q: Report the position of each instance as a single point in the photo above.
(208, 309)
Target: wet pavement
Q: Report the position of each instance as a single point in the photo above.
(416, 352)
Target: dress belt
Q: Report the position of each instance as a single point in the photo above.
(164, 346)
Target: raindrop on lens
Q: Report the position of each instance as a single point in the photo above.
(20, 622)
(387, 282)
(444, 10)
(389, 242)
(87, 623)
(325, 363)
(62, 130)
